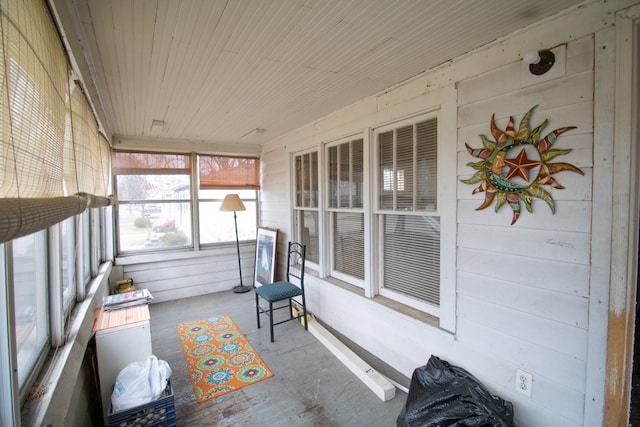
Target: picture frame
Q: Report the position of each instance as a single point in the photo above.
(266, 240)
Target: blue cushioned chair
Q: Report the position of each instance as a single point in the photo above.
(285, 290)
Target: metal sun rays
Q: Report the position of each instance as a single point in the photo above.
(515, 166)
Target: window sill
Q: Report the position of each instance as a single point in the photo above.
(387, 302)
(204, 251)
(61, 370)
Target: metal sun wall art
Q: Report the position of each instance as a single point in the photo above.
(519, 177)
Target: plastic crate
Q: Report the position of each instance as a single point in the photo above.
(159, 413)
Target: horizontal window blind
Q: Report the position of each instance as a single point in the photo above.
(407, 167)
(306, 217)
(307, 232)
(404, 168)
(411, 256)
(427, 165)
(357, 174)
(407, 185)
(345, 170)
(348, 237)
(386, 170)
(306, 170)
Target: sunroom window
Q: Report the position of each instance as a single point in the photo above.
(217, 177)
(407, 213)
(345, 168)
(154, 196)
(30, 299)
(306, 214)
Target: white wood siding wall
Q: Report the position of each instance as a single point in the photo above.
(523, 290)
(190, 273)
(527, 296)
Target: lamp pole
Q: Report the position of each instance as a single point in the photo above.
(239, 289)
(232, 202)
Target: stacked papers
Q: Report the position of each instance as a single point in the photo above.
(127, 299)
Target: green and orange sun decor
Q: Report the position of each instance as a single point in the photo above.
(515, 167)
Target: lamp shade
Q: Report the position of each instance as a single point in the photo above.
(231, 203)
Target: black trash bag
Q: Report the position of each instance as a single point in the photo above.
(445, 395)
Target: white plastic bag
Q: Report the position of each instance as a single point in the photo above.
(140, 383)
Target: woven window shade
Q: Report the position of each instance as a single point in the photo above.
(87, 154)
(94, 201)
(33, 80)
(104, 170)
(76, 143)
(21, 217)
(228, 172)
(35, 73)
(136, 163)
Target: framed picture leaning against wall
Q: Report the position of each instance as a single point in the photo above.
(265, 256)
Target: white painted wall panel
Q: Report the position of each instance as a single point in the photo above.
(555, 336)
(539, 244)
(579, 115)
(565, 370)
(574, 89)
(210, 270)
(552, 305)
(561, 277)
(570, 215)
(523, 290)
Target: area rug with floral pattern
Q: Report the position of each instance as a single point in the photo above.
(218, 356)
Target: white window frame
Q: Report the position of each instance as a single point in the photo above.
(445, 110)
(9, 399)
(42, 273)
(296, 208)
(329, 211)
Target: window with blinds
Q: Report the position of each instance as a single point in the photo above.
(305, 215)
(407, 212)
(345, 169)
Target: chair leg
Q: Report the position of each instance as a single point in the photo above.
(290, 309)
(271, 319)
(258, 310)
(304, 312)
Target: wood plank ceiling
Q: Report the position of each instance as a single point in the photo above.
(214, 70)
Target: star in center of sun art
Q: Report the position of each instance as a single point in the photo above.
(508, 179)
(520, 165)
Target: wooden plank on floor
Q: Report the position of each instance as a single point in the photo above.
(382, 387)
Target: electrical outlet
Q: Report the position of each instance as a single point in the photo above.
(524, 382)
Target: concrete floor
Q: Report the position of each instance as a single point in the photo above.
(310, 386)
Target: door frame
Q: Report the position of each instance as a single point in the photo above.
(624, 225)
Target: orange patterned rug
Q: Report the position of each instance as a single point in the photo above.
(219, 357)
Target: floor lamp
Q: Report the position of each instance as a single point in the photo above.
(233, 203)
